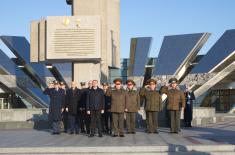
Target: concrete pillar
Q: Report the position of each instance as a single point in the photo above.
(86, 71)
(109, 11)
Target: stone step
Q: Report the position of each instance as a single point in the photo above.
(154, 153)
(130, 150)
(16, 125)
(24, 125)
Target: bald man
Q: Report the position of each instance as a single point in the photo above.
(73, 98)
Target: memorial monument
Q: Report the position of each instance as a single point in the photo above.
(90, 39)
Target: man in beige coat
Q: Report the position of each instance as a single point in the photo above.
(118, 106)
(132, 106)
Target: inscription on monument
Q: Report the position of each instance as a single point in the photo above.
(75, 42)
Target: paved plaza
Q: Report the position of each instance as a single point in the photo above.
(218, 137)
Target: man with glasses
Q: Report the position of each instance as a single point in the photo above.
(132, 106)
(118, 106)
(153, 104)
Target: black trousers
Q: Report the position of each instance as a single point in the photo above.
(108, 121)
(65, 120)
(96, 121)
(74, 123)
(174, 120)
(56, 126)
(85, 121)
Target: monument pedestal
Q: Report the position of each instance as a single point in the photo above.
(83, 72)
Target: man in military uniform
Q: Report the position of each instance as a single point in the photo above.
(153, 104)
(175, 99)
(73, 96)
(57, 102)
(132, 106)
(118, 106)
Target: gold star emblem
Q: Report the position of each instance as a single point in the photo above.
(78, 23)
(66, 22)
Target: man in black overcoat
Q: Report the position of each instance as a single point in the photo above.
(95, 107)
(73, 97)
(65, 115)
(188, 111)
(84, 117)
(107, 111)
(57, 102)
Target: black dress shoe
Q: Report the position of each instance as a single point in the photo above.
(100, 135)
(128, 132)
(132, 132)
(71, 133)
(156, 132)
(121, 136)
(114, 135)
(91, 135)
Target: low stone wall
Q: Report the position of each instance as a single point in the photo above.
(203, 112)
(203, 116)
(23, 115)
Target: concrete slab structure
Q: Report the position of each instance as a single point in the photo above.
(177, 53)
(20, 83)
(21, 48)
(218, 52)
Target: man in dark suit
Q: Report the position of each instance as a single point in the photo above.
(84, 117)
(65, 115)
(73, 96)
(95, 107)
(57, 102)
(107, 111)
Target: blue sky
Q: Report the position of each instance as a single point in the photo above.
(139, 18)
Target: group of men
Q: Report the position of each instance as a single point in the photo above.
(104, 108)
